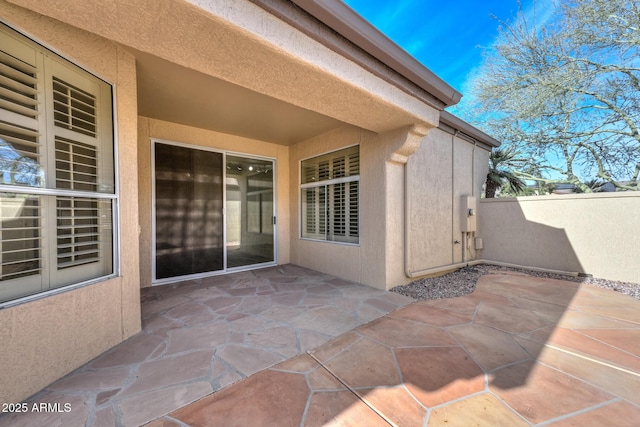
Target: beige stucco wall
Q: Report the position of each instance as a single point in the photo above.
(365, 262)
(594, 234)
(443, 170)
(151, 128)
(342, 260)
(44, 339)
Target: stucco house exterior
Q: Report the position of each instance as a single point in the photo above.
(147, 142)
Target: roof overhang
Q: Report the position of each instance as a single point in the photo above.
(344, 20)
(254, 61)
(465, 128)
(173, 93)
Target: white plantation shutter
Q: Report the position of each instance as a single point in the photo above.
(330, 198)
(21, 153)
(354, 195)
(56, 135)
(21, 119)
(76, 165)
(338, 211)
(21, 236)
(83, 242)
(354, 212)
(74, 109)
(78, 234)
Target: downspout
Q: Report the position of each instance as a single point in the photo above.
(453, 201)
(407, 210)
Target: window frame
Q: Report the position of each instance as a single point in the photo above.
(326, 184)
(106, 101)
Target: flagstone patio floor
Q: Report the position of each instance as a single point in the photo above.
(286, 346)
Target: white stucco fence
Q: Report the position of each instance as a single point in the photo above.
(596, 234)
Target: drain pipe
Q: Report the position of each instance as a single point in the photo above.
(445, 268)
(407, 212)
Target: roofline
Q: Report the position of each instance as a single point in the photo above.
(450, 120)
(344, 20)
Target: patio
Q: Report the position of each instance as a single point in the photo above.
(203, 335)
(519, 351)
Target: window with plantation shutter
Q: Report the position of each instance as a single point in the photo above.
(74, 108)
(78, 233)
(21, 233)
(329, 196)
(57, 192)
(76, 165)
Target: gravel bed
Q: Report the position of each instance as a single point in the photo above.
(463, 282)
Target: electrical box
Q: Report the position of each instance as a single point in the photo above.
(468, 214)
(479, 244)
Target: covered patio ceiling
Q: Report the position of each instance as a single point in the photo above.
(173, 93)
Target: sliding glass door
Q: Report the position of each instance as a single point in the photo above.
(250, 217)
(212, 212)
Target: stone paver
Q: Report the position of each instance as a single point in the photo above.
(274, 398)
(519, 351)
(490, 348)
(203, 335)
(618, 414)
(548, 393)
(483, 410)
(437, 375)
(492, 358)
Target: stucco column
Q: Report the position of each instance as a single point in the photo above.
(407, 144)
(383, 201)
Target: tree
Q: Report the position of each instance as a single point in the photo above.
(567, 92)
(501, 175)
(17, 168)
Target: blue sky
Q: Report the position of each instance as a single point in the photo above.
(446, 36)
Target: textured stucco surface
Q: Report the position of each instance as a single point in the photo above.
(171, 132)
(243, 44)
(592, 234)
(443, 170)
(48, 338)
(343, 260)
(45, 339)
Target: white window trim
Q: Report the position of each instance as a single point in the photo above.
(326, 183)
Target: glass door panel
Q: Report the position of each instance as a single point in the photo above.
(250, 214)
(188, 206)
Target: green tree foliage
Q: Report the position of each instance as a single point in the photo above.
(566, 93)
(501, 175)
